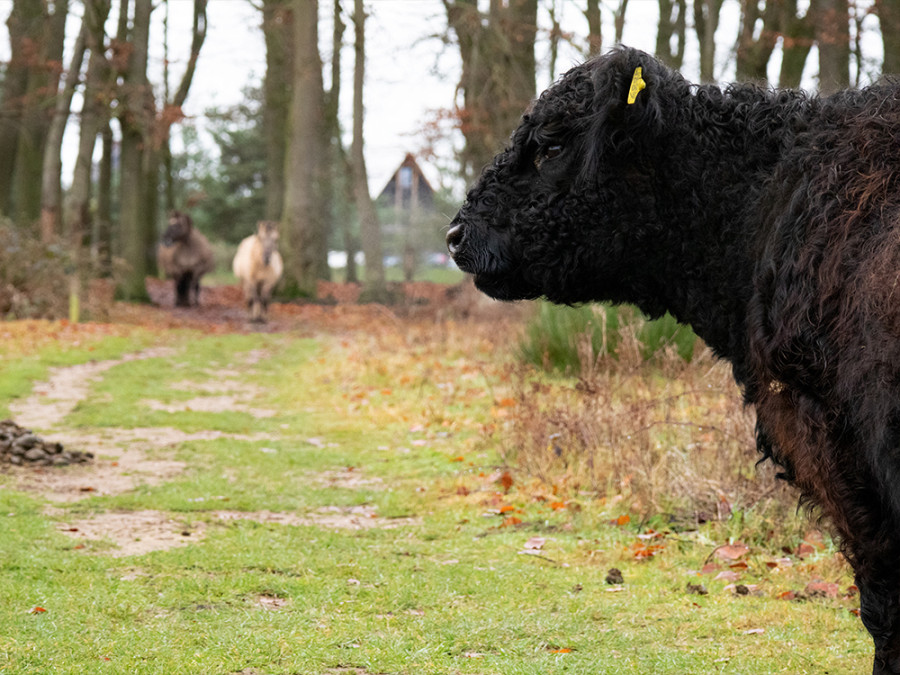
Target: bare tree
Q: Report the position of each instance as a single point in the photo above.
(278, 30)
(37, 32)
(303, 217)
(136, 121)
(98, 91)
(706, 22)
(370, 231)
(595, 33)
(498, 72)
(832, 25)
(757, 38)
(51, 173)
(888, 12)
(672, 31)
(798, 36)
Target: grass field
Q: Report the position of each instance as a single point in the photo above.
(335, 502)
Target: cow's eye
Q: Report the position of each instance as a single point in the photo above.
(547, 153)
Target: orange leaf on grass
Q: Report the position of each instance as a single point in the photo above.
(506, 508)
(562, 650)
(37, 610)
(623, 520)
(506, 402)
(506, 480)
(732, 551)
(556, 506)
(512, 520)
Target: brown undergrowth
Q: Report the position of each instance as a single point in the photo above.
(665, 436)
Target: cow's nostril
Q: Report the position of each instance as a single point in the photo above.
(454, 238)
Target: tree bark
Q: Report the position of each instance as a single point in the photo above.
(753, 53)
(136, 122)
(94, 115)
(672, 26)
(370, 230)
(340, 180)
(888, 12)
(798, 37)
(47, 34)
(706, 22)
(498, 73)
(595, 32)
(20, 23)
(305, 238)
(51, 173)
(832, 24)
(278, 30)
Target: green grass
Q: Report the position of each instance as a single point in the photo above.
(554, 338)
(446, 593)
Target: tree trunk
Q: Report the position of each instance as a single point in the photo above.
(706, 22)
(832, 23)
(21, 24)
(43, 81)
(370, 231)
(278, 30)
(672, 27)
(340, 180)
(619, 20)
(94, 115)
(595, 33)
(51, 173)
(498, 73)
(136, 122)
(305, 238)
(888, 12)
(101, 232)
(753, 53)
(798, 36)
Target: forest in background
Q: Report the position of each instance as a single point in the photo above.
(289, 153)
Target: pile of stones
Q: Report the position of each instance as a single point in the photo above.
(19, 446)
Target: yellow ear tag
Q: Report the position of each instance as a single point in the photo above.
(637, 84)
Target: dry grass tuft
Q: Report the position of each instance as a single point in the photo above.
(668, 436)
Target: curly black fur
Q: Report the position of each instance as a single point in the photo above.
(770, 222)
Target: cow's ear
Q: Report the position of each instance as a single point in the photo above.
(627, 114)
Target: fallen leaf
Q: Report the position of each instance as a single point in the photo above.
(506, 481)
(512, 520)
(755, 631)
(727, 575)
(623, 520)
(786, 595)
(732, 551)
(535, 543)
(556, 506)
(37, 610)
(804, 550)
(506, 508)
(562, 650)
(506, 402)
(822, 589)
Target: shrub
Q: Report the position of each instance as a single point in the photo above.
(33, 282)
(559, 337)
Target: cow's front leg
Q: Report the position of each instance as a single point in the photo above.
(880, 614)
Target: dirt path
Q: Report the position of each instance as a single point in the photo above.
(51, 401)
(128, 458)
